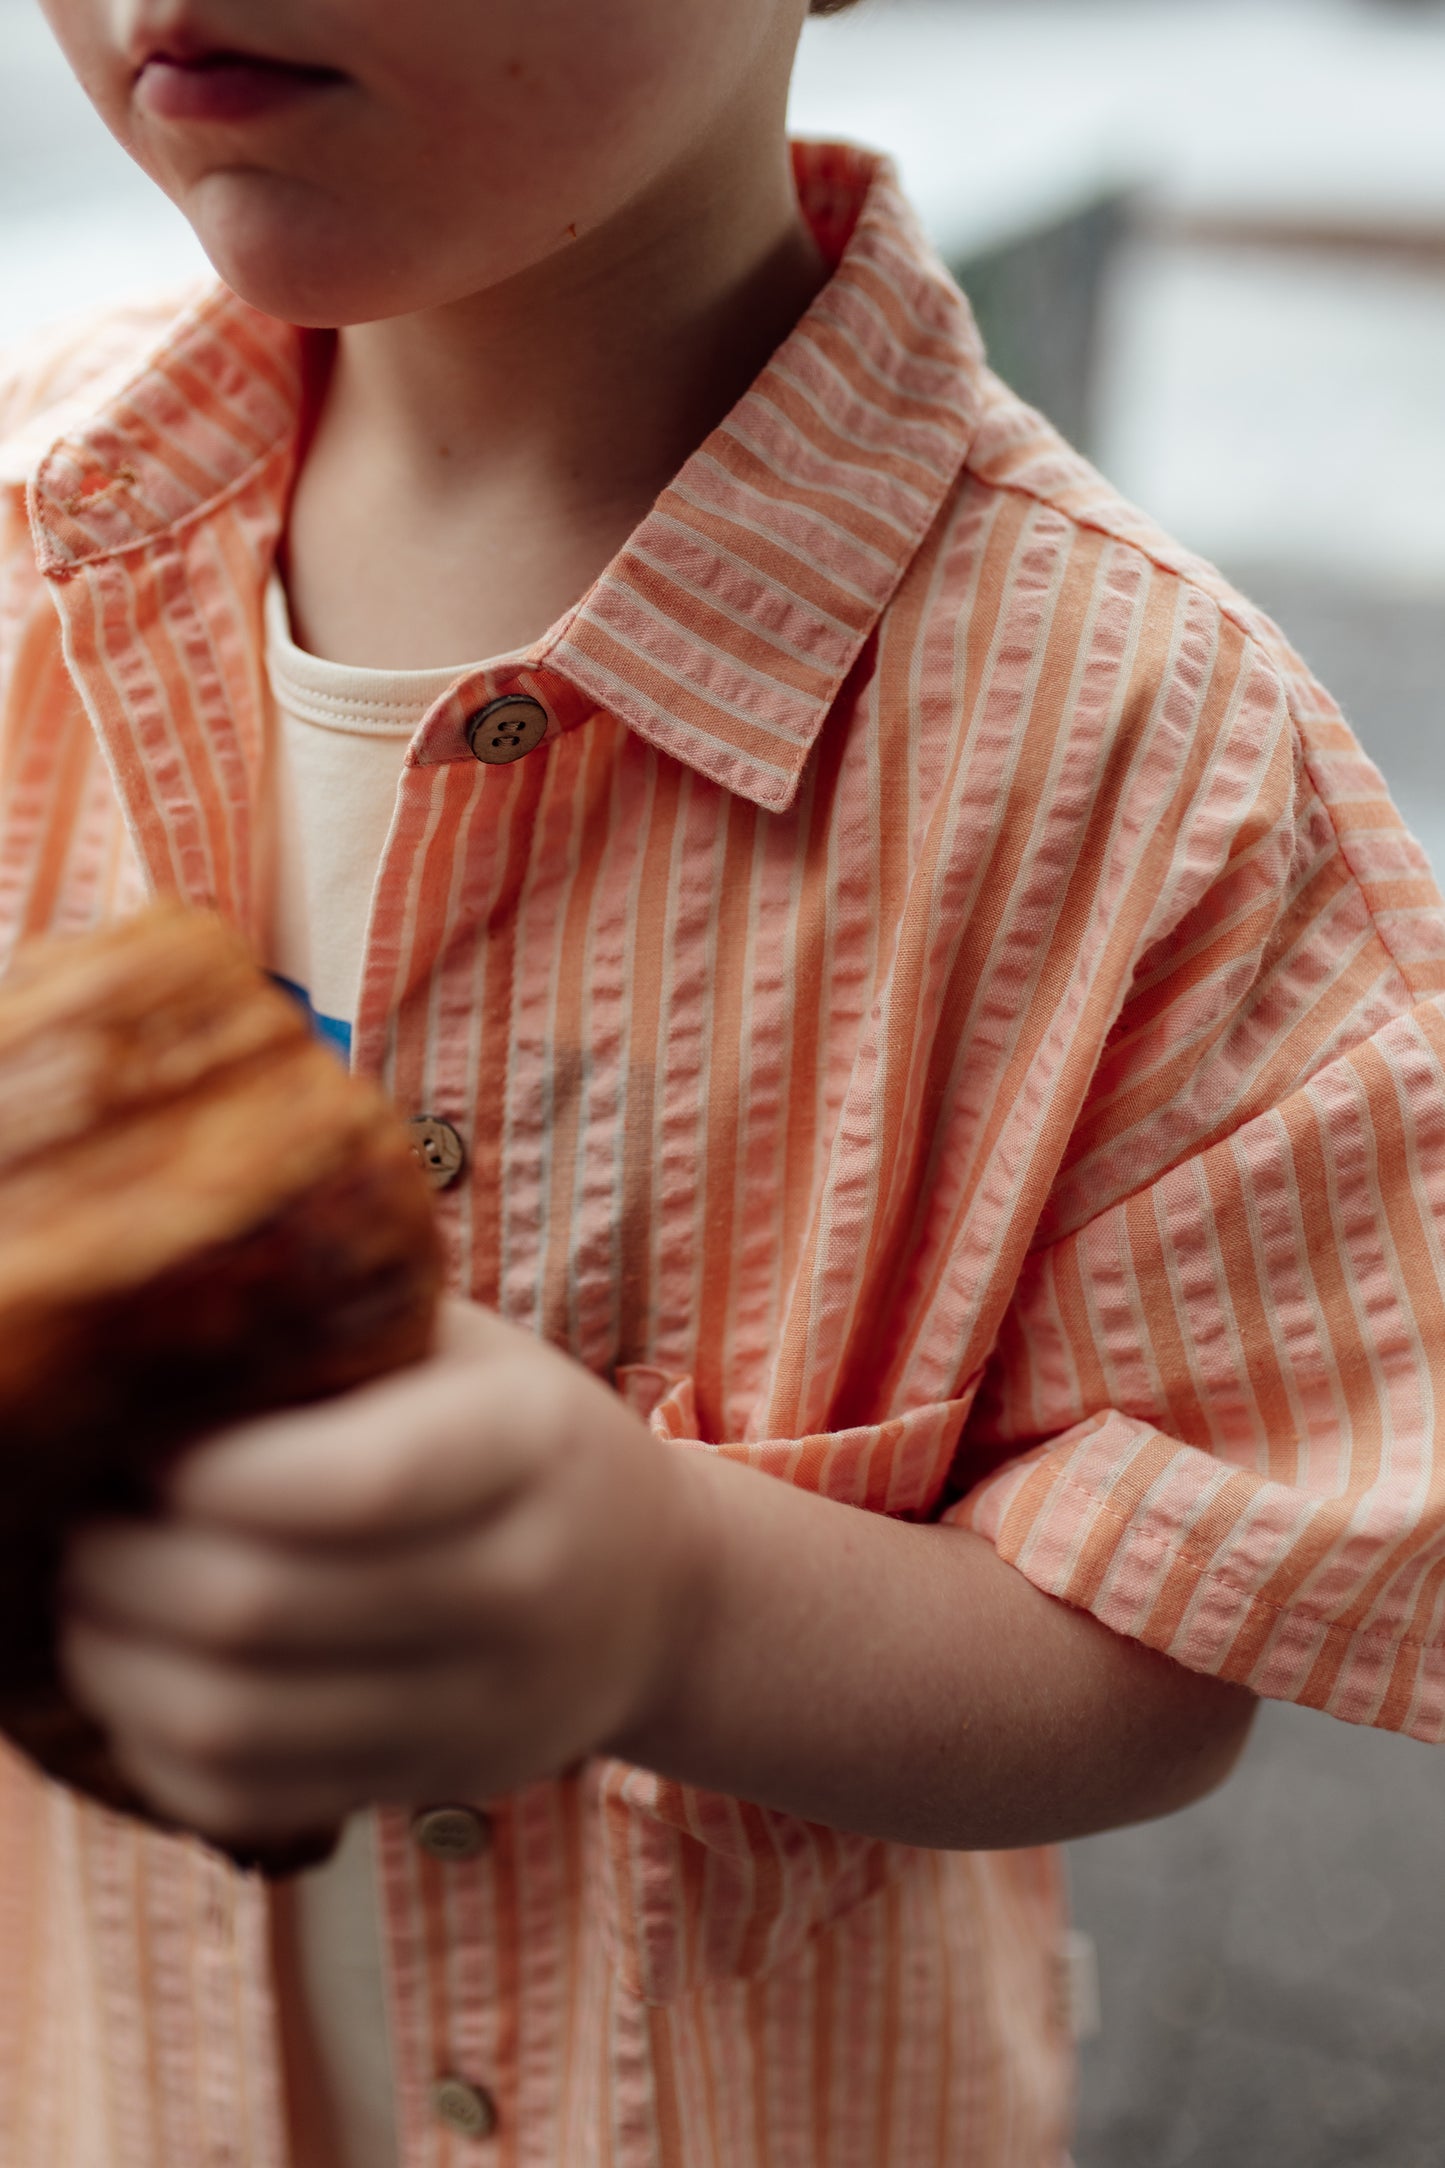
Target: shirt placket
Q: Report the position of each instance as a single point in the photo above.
(447, 1871)
(441, 1870)
(491, 1955)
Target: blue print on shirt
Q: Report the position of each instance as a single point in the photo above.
(332, 1029)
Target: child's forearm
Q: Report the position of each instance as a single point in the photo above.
(484, 1569)
(904, 1682)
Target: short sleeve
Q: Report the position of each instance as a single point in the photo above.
(1214, 1415)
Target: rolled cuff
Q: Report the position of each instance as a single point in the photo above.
(1331, 1602)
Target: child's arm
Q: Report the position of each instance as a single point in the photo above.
(904, 1682)
(475, 1574)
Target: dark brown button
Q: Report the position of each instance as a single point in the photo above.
(438, 1147)
(451, 1832)
(464, 2107)
(506, 729)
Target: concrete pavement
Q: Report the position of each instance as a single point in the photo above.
(1272, 1964)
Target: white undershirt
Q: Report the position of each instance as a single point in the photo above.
(341, 737)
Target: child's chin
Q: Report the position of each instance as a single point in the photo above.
(296, 268)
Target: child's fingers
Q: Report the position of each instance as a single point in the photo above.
(226, 1812)
(254, 1730)
(414, 1454)
(214, 1589)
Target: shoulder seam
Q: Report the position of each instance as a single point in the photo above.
(1414, 994)
(1232, 614)
(1092, 525)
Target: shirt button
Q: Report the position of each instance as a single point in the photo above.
(438, 1147)
(464, 2107)
(506, 729)
(451, 1832)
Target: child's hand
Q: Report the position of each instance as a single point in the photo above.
(441, 1586)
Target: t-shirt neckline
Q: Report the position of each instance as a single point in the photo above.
(349, 696)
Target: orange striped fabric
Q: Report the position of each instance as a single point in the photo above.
(947, 1016)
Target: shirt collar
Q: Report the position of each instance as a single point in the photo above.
(724, 630)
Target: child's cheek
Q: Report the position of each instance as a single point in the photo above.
(83, 32)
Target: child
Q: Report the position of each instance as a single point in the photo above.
(913, 1001)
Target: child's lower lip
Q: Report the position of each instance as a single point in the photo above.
(226, 89)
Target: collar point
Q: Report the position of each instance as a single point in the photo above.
(775, 796)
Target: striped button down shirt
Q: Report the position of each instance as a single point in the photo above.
(947, 1016)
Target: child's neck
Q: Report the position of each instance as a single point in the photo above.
(473, 469)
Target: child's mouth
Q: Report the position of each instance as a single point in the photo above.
(225, 86)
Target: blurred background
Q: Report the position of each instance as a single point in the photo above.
(1208, 238)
